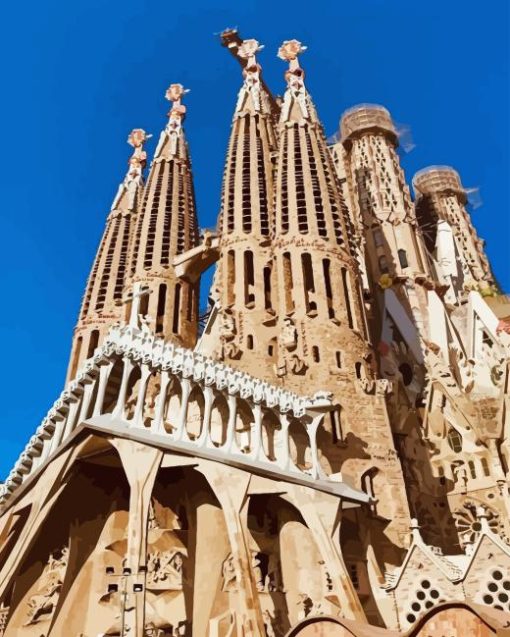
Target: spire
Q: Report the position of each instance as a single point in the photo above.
(166, 227)
(243, 278)
(101, 305)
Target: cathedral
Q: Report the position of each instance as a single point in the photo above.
(324, 449)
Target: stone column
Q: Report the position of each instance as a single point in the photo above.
(141, 464)
(104, 373)
(321, 513)
(230, 486)
(118, 412)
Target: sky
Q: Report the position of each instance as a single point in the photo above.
(78, 76)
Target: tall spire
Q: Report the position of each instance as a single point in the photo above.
(244, 275)
(167, 226)
(323, 342)
(101, 305)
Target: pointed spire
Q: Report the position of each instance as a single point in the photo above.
(296, 101)
(126, 194)
(170, 137)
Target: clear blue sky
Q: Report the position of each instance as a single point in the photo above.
(78, 76)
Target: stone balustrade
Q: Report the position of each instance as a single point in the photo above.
(184, 399)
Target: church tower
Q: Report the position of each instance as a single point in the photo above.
(167, 227)
(102, 302)
(323, 339)
(241, 332)
(458, 253)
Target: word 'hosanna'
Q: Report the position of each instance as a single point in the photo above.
(325, 451)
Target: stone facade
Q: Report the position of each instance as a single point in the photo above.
(328, 454)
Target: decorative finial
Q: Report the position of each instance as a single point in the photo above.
(248, 49)
(174, 94)
(137, 138)
(290, 50)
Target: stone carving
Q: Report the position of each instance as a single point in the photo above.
(4, 613)
(289, 334)
(165, 569)
(42, 604)
(229, 574)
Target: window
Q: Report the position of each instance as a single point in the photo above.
(175, 322)
(231, 277)
(93, 341)
(472, 470)
(315, 354)
(249, 280)
(347, 295)
(383, 265)
(327, 285)
(485, 467)
(267, 288)
(288, 282)
(454, 440)
(336, 424)
(338, 358)
(311, 305)
(378, 238)
(402, 257)
(161, 308)
(249, 342)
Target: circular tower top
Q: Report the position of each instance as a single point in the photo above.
(439, 179)
(365, 118)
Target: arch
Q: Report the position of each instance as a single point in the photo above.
(111, 394)
(195, 412)
(173, 400)
(244, 424)
(133, 389)
(219, 420)
(322, 626)
(299, 445)
(152, 391)
(270, 425)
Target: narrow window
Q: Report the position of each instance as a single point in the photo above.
(93, 341)
(358, 368)
(161, 308)
(378, 238)
(249, 342)
(383, 264)
(329, 290)
(267, 288)
(338, 358)
(231, 276)
(143, 308)
(315, 354)
(310, 304)
(336, 424)
(288, 282)
(347, 296)
(191, 301)
(485, 467)
(177, 307)
(472, 470)
(76, 357)
(402, 257)
(455, 440)
(249, 279)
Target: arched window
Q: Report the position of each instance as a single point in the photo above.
(93, 342)
(454, 440)
(249, 280)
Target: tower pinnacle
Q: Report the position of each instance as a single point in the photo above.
(101, 305)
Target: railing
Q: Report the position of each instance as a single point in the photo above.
(190, 402)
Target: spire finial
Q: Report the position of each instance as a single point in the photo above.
(289, 51)
(247, 51)
(137, 138)
(174, 94)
